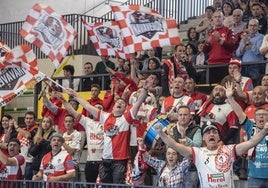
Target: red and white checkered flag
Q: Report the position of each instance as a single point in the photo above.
(47, 30)
(107, 39)
(144, 28)
(18, 71)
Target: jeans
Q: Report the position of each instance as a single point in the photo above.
(191, 180)
(257, 183)
(113, 171)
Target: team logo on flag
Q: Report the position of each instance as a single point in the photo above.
(145, 24)
(109, 36)
(9, 77)
(50, 29)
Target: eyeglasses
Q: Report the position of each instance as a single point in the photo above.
(253, 25)
(261, 114)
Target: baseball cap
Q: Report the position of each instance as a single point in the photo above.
(236, 61)
(59, 135)
(207, 126)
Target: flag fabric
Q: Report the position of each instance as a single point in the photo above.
(60, 67)
(48, 30)
(107, 39)
(18, 70)
(143, 28)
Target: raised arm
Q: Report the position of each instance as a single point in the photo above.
(94, 111)
(229, 90)
(67, 105)
(244, 146)
(183, 150)
(142, 97)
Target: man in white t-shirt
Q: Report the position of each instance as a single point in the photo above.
(214, 162)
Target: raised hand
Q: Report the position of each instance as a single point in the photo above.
(158, 127)
(229, 89)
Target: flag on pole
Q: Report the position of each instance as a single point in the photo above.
(60, 67)
(143, 28)
(47, 30)
(17, 72)
(107, 39)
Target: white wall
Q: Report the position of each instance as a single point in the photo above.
(17, 10)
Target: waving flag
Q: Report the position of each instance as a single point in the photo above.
(17, 71)
(143, 28)
(47, 30)
(107, 39)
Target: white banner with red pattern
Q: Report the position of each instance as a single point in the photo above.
(143, 28)
(18, 69)
(48, 30)
(107, 39)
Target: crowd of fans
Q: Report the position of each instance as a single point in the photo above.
(146, 92)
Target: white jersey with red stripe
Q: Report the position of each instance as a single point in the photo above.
(116, 135)
(57, 165)
(222, 114)
(171, 104)
(15, 172)
(215, 167)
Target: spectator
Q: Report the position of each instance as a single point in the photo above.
(40, 145)
(220, 45)
(26, 135)
(95, 92)
(151, 53)
(69, 81)
(217, 4)
(264, 50)
(171, 172)
(213, 158)
(237, 25)
(95, 141)
(72, 142)
(175, 66)
(186, 132)
(227, 10)
(57, 165)
(191, 51)
(206, 24)
(116, 135)
(249, 51)
(120, 65)
(193, 36)
(87, 81)
(198, 97)
(8, 132)
(14, 164)
(245, 83)
(258, 174)
(178, 98)
(200, 59)
(101, 69)
(256, 11)
(217, 110)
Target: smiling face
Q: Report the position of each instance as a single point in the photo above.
(5, 122)
(171, 157)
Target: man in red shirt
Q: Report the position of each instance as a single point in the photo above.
(220, 45)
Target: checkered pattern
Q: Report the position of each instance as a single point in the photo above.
(47, 30)
(102, 45)
(162, 32)
(18, 70)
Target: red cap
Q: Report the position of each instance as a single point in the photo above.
(236, 61)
